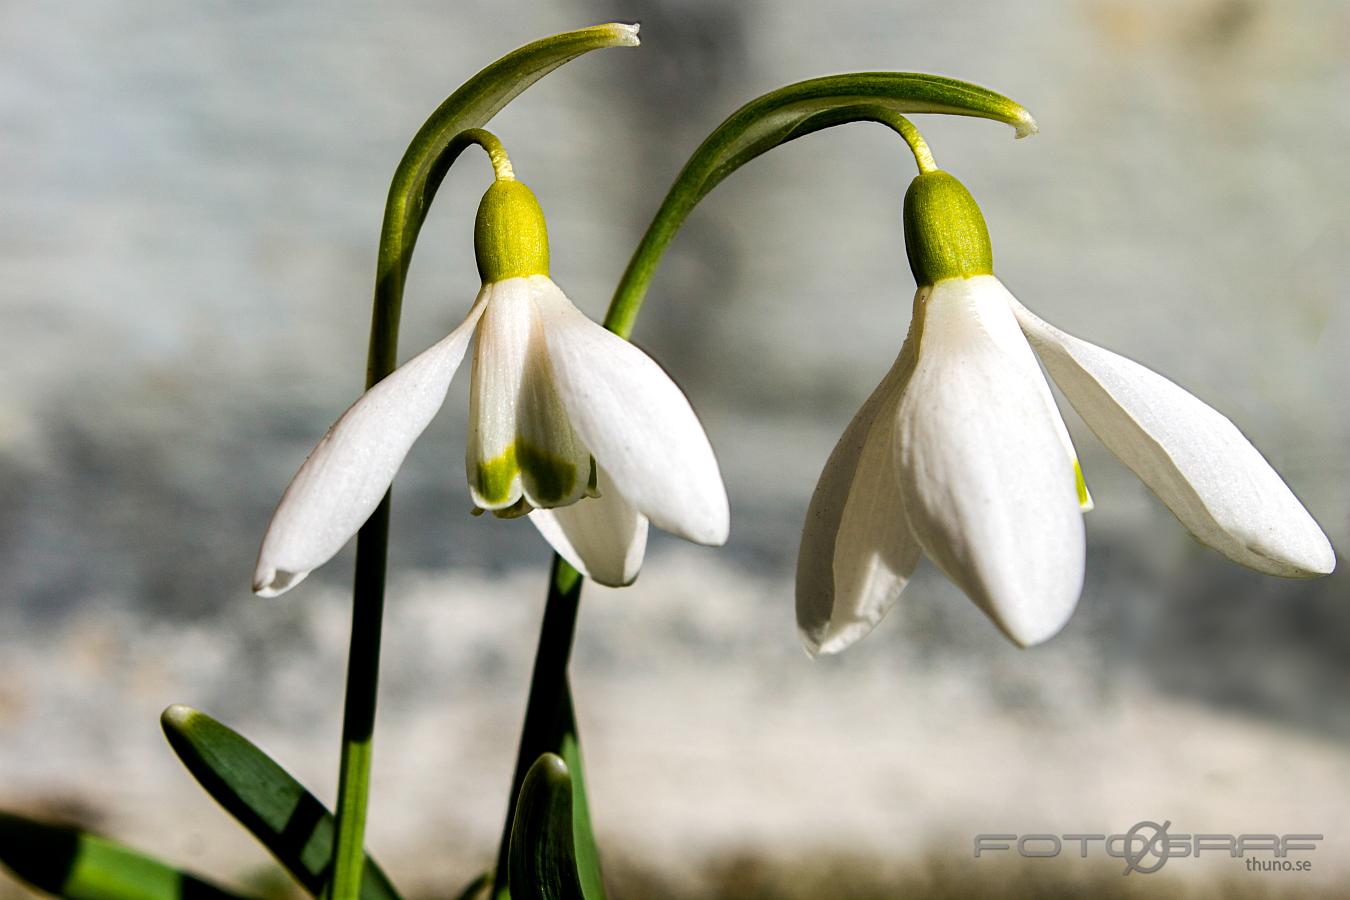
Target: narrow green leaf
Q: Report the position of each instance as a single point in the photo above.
(288, 820)
(434, 149)
(784, 115)
(587, 853)
(78, 865)
(550, 727)
(476, 889)
(543, 863)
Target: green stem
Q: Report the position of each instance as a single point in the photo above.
(501, 163)
(358, 714)
(717, 158)
(787, 114)
(372, 544)
(548, 710)
(429, 156)
(923, 157)
(756, 128)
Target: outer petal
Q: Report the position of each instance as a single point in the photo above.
(348, 473)
(987, 485)
(603, 538)
(520, 440)
(857, 550)
(1190, 455)
(636, 421)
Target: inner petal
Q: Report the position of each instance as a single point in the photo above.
(555, 464)
(523, 452)
(500, 351)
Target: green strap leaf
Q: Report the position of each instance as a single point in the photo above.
(563, 738)
(551, 727)
(288, 820)
(784, 115)
(77, 865)
(543, 864)
(587, 852)
(477, 889)
(434, 149)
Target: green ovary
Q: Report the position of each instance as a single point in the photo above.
(550, 478)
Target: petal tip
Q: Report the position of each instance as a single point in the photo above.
(1319, 563)
(718, 533)
(831, 639)
(611, 581)
(1322, 561)
(706, 530)
(268, 581)
(1029, 615)
(810, 644)
(1028, 631)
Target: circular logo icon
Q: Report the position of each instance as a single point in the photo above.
(1139, 846)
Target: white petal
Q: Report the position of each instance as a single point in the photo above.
(520, 440)
(555, 465)
(636, 422)
(1016, 346)
(603, 537)
(1197, 462)
(988, 488)
(1084, 497)
(857, 551)
(348, 473)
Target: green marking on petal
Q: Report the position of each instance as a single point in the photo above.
(496, 475)
(1084, 498)
(551, 478)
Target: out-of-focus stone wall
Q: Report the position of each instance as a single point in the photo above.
(191, 203)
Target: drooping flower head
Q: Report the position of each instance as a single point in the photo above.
(568, 424)
(961, 455)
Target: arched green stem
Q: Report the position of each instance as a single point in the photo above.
(756, 128)
(501, 163)
(787, 114)
(419, 174)
(923, 157)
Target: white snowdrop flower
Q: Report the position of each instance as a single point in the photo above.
(961, 455)
(568, 423)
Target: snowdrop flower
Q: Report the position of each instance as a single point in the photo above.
(568, 424)
(960, 454)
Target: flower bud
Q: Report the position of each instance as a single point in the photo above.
(945, 234)
(510, 239)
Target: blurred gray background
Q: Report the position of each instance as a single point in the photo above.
(191, 203)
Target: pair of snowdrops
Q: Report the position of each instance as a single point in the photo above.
(960, 454)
